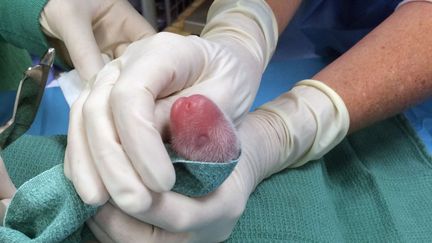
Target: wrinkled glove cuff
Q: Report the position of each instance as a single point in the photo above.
(315, 120)
(262, 43)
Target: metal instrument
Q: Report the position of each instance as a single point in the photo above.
(27, 100)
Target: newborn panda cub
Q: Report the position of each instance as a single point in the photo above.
(201, 132)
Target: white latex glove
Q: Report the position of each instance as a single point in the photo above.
(89, 28)
(7, 190)
(114, 144)
(299, 126)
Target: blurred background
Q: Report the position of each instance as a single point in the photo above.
(180, 16)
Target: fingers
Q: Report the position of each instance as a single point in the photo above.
(130, 26)
(135, 26)
(113, 165)
(118, 120)
(162, 115)
(149, 72)
(91, 28)
(100, 234)
(71, 22)
(82, 47)
(79, 166)
(132, 103)
(178, 213)
(185, 220)
(112, 225)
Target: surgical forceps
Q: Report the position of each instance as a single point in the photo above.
(27, 100)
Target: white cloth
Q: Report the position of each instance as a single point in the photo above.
(71, 85)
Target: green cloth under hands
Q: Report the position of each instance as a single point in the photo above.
(376, 186)
(46, 207)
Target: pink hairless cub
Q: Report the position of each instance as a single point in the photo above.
(201, 132)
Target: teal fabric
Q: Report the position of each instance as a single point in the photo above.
(196, 178)
(13, 63)
(46, 207)
(20, 33)
(376, 186)
(25, 111)
(20, 26)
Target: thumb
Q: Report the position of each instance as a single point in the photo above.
(162, 116)
(83, 49)
(77, 35)
(110, 224)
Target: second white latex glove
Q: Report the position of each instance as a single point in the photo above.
(89, 28)
(177, 218)
(114, 145)
(299, 126)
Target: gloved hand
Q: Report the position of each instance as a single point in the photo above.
(301, 125)
(89, 28)
(7, 190)
(114, 143)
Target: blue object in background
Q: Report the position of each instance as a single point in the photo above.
(281, 75)
(53, 114)
(420, 117)
(7, 100)
(52, 117)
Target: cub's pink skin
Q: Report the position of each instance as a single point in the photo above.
(200, 131)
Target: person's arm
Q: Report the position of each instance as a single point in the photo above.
(388, 70)
(283, 11)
